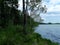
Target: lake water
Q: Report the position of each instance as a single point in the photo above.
(51, 31)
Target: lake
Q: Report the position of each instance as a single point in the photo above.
(50, 31)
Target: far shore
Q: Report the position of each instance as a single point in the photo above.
(48, 23)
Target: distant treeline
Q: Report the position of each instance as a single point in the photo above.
(49, 23)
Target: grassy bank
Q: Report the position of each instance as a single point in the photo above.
(13, 35)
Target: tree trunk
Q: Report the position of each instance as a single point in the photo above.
(24, 14)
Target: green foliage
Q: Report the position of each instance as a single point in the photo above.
(9, 13)
(12, 33)
(38, 0)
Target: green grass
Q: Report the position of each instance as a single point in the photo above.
(13, 35)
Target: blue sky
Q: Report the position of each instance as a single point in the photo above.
(53, 11)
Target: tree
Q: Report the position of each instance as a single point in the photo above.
(35, 7)
(9, 12)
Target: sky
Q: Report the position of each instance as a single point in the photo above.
(53, 11)
(20, 4)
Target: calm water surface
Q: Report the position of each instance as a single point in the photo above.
(51, 32)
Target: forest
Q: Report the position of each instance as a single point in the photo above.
(17, 27)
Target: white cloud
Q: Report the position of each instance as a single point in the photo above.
(54, 1)
(53, 12)
(53, 8)
(52, 5)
